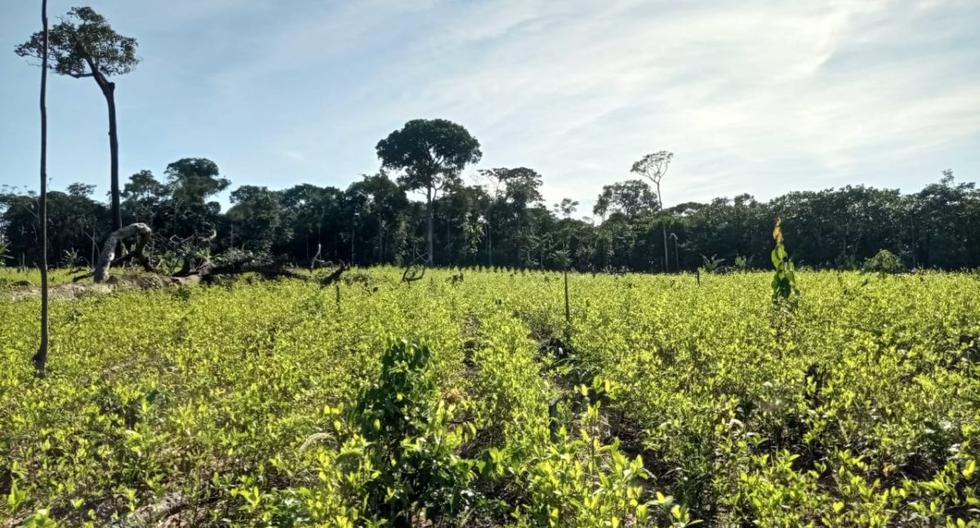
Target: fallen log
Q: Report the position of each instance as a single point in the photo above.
(141, 232)
(334, 275)
(193, 261)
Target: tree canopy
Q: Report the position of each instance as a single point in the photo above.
(631, 198)
(429, 151)
(373, 218)
(83, 44)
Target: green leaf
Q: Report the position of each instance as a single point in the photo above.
(970, 468)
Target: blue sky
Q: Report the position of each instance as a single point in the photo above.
(757, 97)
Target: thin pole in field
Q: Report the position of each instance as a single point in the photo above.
(40, 358)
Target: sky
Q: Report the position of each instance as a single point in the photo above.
(758, 97)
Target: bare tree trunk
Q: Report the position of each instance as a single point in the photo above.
(316, 258)
(94, 245)
(430, 223)
(40, 358)
(660, 198)
(677, 258)
(139, 231)
(489, 244)
(109, 90)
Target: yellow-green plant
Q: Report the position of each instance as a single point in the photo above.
(784, 279)
(193, 405)
(411, 440)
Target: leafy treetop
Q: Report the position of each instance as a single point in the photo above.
(84, 45)
(522, 186)
(194, 179)
(631, 197)
(430, 151)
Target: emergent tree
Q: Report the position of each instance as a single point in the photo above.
(653, 167)
(431, 152)
(84, 45)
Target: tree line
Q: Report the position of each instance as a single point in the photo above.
(505, 222)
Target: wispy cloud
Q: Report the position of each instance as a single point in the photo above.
(753, 96)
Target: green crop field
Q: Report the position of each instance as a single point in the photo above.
(470, 401)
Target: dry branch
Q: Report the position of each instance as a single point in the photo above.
(334, 275)
(141, 232)
(316, 258)
(413, 273)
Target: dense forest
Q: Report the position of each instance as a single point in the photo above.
(505, 222)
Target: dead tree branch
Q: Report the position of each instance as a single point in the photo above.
(316, 258)
(141, 232)
(335, 274)
(413, 273)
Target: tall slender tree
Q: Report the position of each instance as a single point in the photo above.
(431, 152)
(653, 167)
(83, 45)
(40, 358)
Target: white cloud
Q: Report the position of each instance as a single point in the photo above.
(752, 96)
(731, 88)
